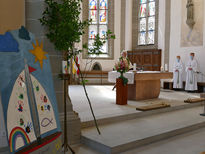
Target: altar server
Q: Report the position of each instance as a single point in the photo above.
(191, 74)
(177, 71)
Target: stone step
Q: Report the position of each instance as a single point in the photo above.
(134, 115)
(125, 135)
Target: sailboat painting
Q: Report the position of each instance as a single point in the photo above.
(27, 94)
(19, 121)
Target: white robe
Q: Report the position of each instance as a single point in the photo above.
(191, 75)
(177, 78)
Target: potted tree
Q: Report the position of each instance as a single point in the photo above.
(65, 28)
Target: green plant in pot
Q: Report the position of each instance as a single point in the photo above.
(64, 29)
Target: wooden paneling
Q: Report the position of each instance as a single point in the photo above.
(148, 59)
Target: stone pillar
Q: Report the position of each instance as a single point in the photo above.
(167, 31)
(122, 31)
(34, 10)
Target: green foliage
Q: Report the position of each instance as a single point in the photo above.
(65, 28)
(62, 19)
(98, 43)
(83, 82)
(124, 79)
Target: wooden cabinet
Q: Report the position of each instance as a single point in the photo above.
(148, 59)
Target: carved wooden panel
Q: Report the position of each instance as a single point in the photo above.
(146, 59)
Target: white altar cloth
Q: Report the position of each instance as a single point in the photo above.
(113, 75)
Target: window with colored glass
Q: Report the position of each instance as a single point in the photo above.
(146, 22)
(98, 12)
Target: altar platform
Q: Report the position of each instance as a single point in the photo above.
(124, 129)
(106, 110)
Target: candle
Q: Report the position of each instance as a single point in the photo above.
(162, 69)
(64, 67)
(134, 67)
(166, 67)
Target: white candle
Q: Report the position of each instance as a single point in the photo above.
(166, 67)
(64, 67)
(162, 69)
(134, 67)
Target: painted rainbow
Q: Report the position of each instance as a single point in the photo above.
(16, 133)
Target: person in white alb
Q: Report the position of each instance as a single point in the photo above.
(177, 73)
(191, 74)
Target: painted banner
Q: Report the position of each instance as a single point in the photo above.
(26, 88)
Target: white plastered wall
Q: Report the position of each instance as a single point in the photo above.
(175, 39)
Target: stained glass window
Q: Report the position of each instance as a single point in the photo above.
(151, 23)
(146, 22)
(103, 17)
(92, 31)
(103, 4)
(151, 8)
(143, 1)
(150, 39)
(93, 4)
(93, 16)
(143, 10)
(98, 12)
(102, 31)
(142, 38)
(142, 24)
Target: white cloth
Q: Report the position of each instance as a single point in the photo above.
(113, 75)
(177, 75)
(191, 76)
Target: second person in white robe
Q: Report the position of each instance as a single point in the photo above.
(177, 73)
(191, 76)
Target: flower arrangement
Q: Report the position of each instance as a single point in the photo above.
(122, 66)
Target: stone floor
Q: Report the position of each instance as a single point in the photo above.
(144, 130)
(103, 101)
(189, 143)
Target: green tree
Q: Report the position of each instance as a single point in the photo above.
(64, 28)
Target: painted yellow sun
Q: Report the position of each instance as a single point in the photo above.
(38, 53)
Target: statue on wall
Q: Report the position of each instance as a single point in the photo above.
(190, 14)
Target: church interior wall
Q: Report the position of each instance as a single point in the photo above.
(176, 46)
(107, 65)
(161, 28)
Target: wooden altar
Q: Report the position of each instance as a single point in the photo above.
(147, 85)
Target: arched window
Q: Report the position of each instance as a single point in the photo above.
(145, 21)
(102, 15)
(96, 67)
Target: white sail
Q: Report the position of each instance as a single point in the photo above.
(45, 110)
(19, 122)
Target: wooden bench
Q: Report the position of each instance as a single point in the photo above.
(98, 75)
